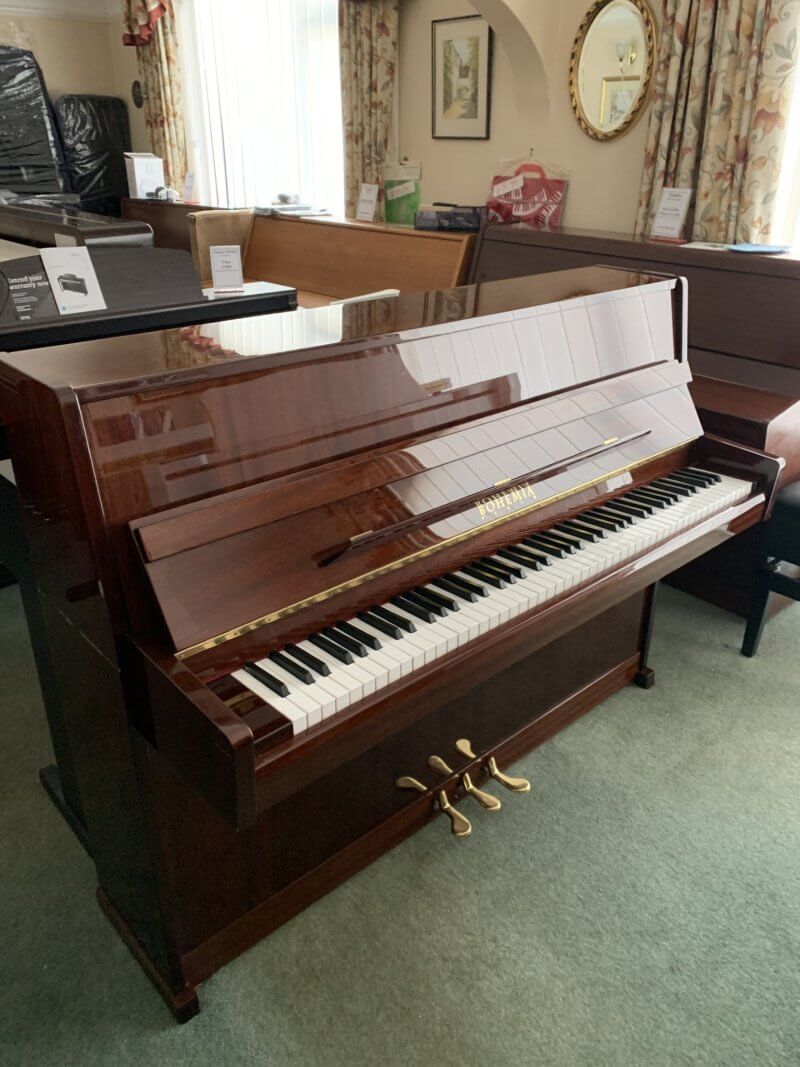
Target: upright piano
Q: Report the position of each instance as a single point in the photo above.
(312, 580)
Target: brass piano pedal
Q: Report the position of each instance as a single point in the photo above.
(406, 782)
(486, 800)
(436, 763)
(459, 824)
(516, 785)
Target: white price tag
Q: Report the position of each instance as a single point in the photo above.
(405, 189)
(73, 280)
(671, 215)
(367, 202)
(226, 266)
(507, 186)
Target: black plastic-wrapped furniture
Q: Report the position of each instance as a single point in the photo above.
(95, 135)
(31, 159)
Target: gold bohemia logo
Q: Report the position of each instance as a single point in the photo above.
(505, 500)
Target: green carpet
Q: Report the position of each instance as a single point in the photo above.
(641, 907)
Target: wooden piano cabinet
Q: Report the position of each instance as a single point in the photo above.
(222, 890)
(173, 492)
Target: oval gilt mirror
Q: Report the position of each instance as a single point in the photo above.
(611, 66)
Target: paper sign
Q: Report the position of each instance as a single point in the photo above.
(508, 186)
(73, 281)
(405, 189)
(367, 202)
(402, 172)
(31, 296)
(226, 266)
(671, 215)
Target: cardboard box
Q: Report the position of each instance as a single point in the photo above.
(145, 173)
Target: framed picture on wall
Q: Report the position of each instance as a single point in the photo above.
(617, 98)
(461, 58)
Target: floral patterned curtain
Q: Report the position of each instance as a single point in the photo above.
(721, 99)
(368, 57)
(150, 28)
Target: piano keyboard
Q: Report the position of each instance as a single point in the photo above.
(303, 684)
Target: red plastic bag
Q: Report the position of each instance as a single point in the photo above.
(529, 193)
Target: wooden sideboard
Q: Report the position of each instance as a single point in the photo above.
(744, 350)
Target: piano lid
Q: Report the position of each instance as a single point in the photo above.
(189, 353)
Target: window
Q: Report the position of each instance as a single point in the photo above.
(263, 101)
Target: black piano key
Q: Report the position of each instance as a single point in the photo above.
(568, 527)
(425, 614)
(550, 549)
(592, 526)
(661, 493)
(422, 602)
(331, 647)
(445, 602)
(385, 627)
(392, 617)
(490, 578)
(599, 523)
(696, 479)
(465, 584)
(527, 550)
(715, 478)
(348, 643)
(288, 664)
(653, 499)
(300, 654)
(521, 557)
(630, 500)
(358, 634)
(607, 512)
(514, 573)
(460, 591)
(617, 504)
(269, 680)
(677, 485)
(569, 544)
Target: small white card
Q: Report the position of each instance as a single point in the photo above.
(367, 202)
(226, 266)
(73, 281)
(671, 215)
(404, 189)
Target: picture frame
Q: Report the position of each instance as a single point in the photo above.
(618, 98)
(461, 76)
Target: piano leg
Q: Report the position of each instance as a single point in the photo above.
(645, 677)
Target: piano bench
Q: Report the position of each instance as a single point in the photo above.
(780, 544)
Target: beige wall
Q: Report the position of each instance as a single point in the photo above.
(79, 55)
(73, 53)
(530, 109)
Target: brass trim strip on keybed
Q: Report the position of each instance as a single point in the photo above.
(353, 583)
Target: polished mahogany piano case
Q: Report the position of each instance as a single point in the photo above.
(196, 499)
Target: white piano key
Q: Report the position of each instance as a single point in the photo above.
(285, 705)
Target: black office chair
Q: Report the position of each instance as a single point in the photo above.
(780, 544)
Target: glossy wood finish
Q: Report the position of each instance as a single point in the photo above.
(742, 328)
(237, 445)
(40, 224)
